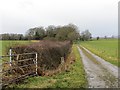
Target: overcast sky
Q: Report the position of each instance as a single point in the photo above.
(99, 16)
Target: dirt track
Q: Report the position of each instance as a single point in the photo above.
(99, 73)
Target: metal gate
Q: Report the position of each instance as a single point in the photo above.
(16, 67)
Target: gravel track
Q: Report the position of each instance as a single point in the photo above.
(99, 73)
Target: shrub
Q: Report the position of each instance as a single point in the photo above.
(49, 53)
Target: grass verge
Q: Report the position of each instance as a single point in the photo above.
(74, 78)
(105, 48)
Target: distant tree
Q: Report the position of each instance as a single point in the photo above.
(73, 36)
(86, 35)
(37, 33)
(98, 38)
(5, 36)
(62, 34)
(51, 31)
(12, 36)
(67, 32)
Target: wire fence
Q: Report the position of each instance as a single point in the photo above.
(16, 67)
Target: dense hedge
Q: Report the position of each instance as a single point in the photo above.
(49, 53)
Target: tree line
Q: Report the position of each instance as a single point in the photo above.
(66, 32)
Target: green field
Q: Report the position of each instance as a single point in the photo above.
(6, 44)
(105, 48)
(75, 78)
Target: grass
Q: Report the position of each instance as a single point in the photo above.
(0, 48)
(89, 55)
(6, 44)
(74, 78)
(105, 48)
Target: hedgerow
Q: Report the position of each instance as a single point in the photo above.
(49, 53)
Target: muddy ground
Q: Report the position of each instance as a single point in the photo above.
(99, 73)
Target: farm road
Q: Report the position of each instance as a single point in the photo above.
(99, 73)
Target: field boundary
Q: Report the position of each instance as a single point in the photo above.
(16, 68)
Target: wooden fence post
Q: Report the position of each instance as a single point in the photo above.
(10, 53)
(62, 60)
(36, 64)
